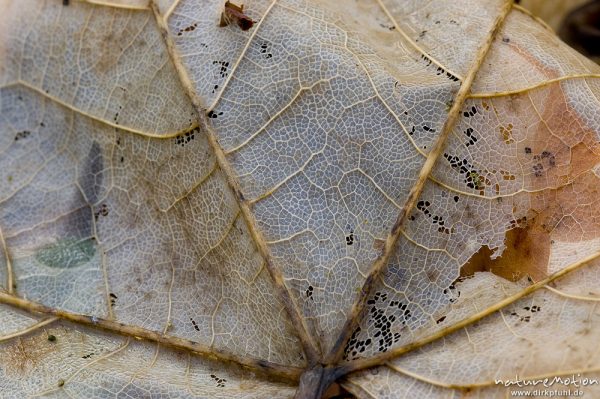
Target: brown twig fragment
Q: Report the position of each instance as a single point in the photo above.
(235, 13)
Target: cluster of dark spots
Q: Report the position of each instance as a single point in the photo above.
(472, 177)
(101, 211)
(379, 318)
(224, 66)
(309, 292)
(264, 50)
(471, 112)
(350, 238)
(421, 35)
(220, 381)
(22, 135)
(388, 27)
(546, 157)
(113, 299)
(383, 323)
(214, 90)
(506, 39)
(452, 292)
(423, 206)
(117, 115)
(194, 324)
(439, 70)
(520, 222)
(88, 355)
(527, 317)
(471, 136)
(355, 345)
(428, 129)
(186, 137)
(190, 28)
(213, 114)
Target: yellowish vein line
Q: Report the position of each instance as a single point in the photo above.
(96, 118)
(412, 42)
(29, 329)
(535, 86)
(241, 57)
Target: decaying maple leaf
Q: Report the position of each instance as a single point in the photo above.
(398, 196)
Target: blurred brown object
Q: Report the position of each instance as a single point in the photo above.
(553, 12)
(577, 22)
(581, 29)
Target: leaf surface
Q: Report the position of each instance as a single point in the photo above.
(339, 185)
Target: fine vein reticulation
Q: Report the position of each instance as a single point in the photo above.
(337, 189)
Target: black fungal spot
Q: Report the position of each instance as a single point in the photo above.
(441, 319)
(101, 211)
(456, 198)
(190, 28)
(215, 89)
(265, 50)
(220, 381)
(65, 3)
(186, 137)
(51, 338)
(194, 324)
(428, 129)
(87, 356)
(527, 150)
(350, 238)
(452, 292)
(223, 68)
(113, 299)
(122, 159)
(471, 137)
(22, 135)
(471, 112)
(506, 39)
(309, 292)
(213, 114)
